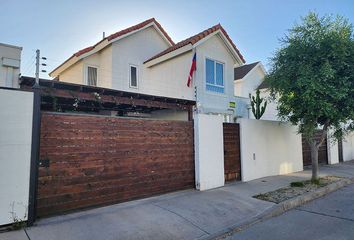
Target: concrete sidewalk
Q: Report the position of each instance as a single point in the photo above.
(182, 215)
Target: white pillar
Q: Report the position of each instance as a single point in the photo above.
(9, 77)
(332, 150)
(348, 147)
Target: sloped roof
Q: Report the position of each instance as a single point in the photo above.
(194, 39)
(242, 71)
(263, 85)
(119, 34)
(126, 31)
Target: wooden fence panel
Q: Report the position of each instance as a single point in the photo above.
(96, 160)
(232, 157)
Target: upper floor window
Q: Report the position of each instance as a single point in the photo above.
(214, 72)
(133, 76)
(91, 76)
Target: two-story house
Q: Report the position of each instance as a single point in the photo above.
(144, 59)
(249, 78)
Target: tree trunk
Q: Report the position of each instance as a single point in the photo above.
(314, 160)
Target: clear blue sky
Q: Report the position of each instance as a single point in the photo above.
(60, 28)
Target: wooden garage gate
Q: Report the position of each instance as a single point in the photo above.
(322, 152)
(89, 160)
(232, 157)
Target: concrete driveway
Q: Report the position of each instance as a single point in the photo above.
(182, 215)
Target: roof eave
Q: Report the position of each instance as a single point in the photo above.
(168, 56)
(152, 24)
(260, 65)
(179, 51)
(229, 46)
(62, 67)
(104, 43)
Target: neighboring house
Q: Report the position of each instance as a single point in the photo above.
(10, 62)
(271, 112)
(249, 78)
(144, 59)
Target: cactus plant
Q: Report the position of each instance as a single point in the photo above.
(256, 103)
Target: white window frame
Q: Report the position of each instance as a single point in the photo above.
(205, 78)
(86, 74)
(130, 76)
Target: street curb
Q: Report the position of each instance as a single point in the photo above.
(282, 207)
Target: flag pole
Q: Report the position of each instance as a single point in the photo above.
(195, 82)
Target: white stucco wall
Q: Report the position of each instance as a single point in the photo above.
(102, 60)
(209, 102)
(238, 88)
(348, 147)
(269, 148)
(114, 60)
(15, 149)
(249, 83)
(242, 107)
(332, 149)
(134, 50)
(169, 78)
(74, 74)
(209, 151)
(10, 63)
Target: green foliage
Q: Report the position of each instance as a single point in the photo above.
(256, 104)
(312, 75)
(297, 184)
(76, 104)
(18, 223)
(316, 181)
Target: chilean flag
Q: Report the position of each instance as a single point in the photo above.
(193, 68)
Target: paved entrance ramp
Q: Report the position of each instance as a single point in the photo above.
(183, 215)
(142, 221)
(213, 210)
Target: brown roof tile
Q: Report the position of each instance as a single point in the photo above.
(196, 38)
(82, 51)
(126, 31)
(121, 33)
(137, 27)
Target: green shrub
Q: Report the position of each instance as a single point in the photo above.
(297, 184)
(316, 182)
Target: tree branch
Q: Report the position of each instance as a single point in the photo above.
(324, 134)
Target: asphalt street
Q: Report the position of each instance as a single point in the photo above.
(330, 217)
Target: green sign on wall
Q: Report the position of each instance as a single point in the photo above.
(232, 104)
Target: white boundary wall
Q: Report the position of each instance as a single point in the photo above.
(16, 108)
(332, 149)
(348, 147)
(209, 151)
(269, 148)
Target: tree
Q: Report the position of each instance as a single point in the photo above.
(312, 78)
(256, 104)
